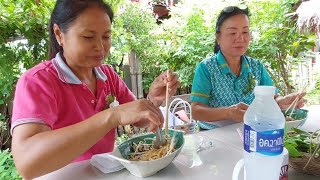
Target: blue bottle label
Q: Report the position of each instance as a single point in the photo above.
(266, 142)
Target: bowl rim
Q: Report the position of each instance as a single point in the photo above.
(305, 111)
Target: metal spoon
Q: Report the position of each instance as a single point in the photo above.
(160, 140)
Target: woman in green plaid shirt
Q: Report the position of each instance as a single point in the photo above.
(223, 84)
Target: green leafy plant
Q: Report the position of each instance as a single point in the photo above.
(276, 41)
(298, 142)
(313, 96)
(189, 38)
(7, 167)
(23, 43)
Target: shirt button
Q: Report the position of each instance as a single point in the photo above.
(92, 101)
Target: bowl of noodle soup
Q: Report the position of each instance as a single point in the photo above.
(141, 159)
(297, 118)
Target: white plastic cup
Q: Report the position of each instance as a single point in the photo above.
(283, 172)
(285, 165)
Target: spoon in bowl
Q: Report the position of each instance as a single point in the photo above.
(160, 139)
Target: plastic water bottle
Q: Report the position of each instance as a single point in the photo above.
(263, 136)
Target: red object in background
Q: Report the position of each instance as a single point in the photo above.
(160, 10)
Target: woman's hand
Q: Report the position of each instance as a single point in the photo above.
(141, 113)
(157, 91)
(284, 102)
(236, 112)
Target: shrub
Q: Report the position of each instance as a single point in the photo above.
(8, 170)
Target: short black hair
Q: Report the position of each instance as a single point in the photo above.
(65, 12)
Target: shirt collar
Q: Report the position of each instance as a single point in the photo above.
(245, 68)
(67, 76)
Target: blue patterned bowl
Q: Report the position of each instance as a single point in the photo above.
(298, 118)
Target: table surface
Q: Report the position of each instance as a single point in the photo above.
(220, 150)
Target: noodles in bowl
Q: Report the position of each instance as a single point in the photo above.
(146, 152)
(141, 159)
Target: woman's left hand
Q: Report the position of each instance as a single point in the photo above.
(284, 102)
(157, 91)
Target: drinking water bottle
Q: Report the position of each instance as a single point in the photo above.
(263, 136)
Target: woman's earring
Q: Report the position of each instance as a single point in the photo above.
(60, 46)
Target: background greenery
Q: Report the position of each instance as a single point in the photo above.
(7, 168)
(178, 43)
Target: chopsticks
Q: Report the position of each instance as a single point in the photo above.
(160, 139)
(294, 103)
(167, 106)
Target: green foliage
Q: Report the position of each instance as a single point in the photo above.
(132, 30)
(115, 4)
(298, 142)
(19, 20)
(23, 43)
(25, 21)
(313, 95)
(178, 43)
(8, 170)
(276, 41)
(189, 39)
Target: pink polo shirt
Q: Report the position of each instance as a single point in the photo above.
(50, 93)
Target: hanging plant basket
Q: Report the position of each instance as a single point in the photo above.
(161, 11)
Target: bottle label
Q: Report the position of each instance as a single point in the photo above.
(269, 143)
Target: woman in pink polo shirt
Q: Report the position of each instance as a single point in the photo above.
(61, 108)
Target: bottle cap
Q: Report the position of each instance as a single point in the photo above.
(265, 90)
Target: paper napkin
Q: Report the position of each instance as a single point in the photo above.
(105, 163)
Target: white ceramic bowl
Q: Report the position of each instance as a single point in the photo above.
(146, 168)
(293, 124)
(299, 116)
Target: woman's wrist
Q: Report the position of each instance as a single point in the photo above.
(228, 113)
(153, 101)
(112, 118)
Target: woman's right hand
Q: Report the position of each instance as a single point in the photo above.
(236, 112)
(141, 113)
